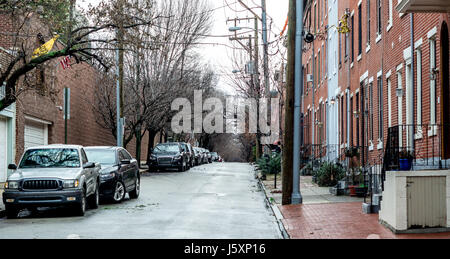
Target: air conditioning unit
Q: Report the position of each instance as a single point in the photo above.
(309, 78)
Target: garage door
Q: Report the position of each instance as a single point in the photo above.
(36, 134)
(3, 149)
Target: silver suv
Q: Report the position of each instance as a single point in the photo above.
(50, 176)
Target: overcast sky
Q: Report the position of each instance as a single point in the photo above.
(218, 56)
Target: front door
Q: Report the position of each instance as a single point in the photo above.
(3, 149)
(445, 103)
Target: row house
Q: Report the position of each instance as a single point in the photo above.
(386, 89)
(37, 117)
(391, 101)
(315, 71)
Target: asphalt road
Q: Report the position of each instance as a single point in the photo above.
(215, 201)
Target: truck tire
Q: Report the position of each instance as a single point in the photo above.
(11, 212)
(80, 208)
(94, 199)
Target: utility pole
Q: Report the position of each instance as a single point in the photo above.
(266, 49)
(255, 75)
(296, 196)
(119, 86)
(287, 165)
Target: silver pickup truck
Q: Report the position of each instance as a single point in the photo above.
(52, 176)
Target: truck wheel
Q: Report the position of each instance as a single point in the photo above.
(80, 208)
(11, 212)
(94, 200)
(134, 194)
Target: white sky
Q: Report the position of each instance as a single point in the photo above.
(218, 56)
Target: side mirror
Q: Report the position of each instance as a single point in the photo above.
(89, 165)
(12, 167)
(125, 162)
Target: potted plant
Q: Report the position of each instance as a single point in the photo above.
(405, 160)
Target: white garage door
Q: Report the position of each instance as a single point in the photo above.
(3, 149)
(36, 134)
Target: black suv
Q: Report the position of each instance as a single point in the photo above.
(169, 155)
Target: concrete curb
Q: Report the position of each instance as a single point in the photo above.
(275, 210)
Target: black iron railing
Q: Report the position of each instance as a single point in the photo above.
(426, 146)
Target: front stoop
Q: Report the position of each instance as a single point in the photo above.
(274, 208)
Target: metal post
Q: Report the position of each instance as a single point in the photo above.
(118, 97)
(266, 49)
(66, 112)
(296, 195)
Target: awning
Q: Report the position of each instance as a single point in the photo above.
(423, 6)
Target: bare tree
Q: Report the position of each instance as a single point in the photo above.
(82, 39)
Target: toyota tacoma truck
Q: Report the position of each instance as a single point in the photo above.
(52, 176)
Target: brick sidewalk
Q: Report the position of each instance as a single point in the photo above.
(339, 221)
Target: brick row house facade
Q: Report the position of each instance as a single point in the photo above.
(38, 119)
(387, 80)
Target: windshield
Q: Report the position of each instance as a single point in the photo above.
(166, 149)
(102, 156)
(54, 158)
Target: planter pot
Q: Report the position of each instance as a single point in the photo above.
(360, 191)
(352, 190)
(405, 164)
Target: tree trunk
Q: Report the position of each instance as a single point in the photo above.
(151, 140)
(288, 137)
(138, 145)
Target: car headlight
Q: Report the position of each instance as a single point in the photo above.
(178, 157)
(12, 185)
(152, 157)
(108, 176)
(71, 183)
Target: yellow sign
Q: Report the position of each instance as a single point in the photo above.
(44, 49)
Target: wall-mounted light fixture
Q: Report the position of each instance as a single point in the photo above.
(399, 92)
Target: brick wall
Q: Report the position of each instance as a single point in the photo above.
(314, 100)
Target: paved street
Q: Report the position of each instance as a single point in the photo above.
(211, 201)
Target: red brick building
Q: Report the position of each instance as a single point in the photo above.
(393, 71)
(315, 91)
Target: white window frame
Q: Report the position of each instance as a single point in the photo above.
(432, 129)
(419, 133)
(390, 19)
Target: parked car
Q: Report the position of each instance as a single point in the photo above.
(169, 155)
(119, 174)
(209, 156)
(199, 157)
(190, 154)
(215, 156)
(52, 176)
(205, 156)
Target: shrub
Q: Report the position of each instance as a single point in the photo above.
(270, 164)
(329, 174)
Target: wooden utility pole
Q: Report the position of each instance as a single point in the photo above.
(288, 137)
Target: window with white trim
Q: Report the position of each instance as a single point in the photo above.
(380, 107)
(419, 87)
(432, 82)
(390, 11)
(368, 22)
(389, 87)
